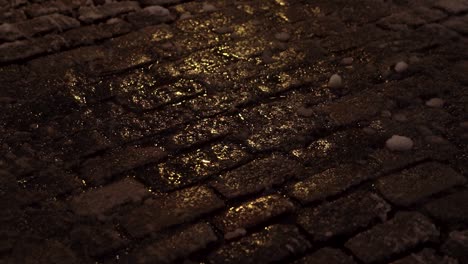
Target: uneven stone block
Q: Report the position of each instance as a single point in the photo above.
(277, 126)
(457, 245)
(273, 244)
(405, 231)
(414, 184)
(19, 50)
(90, 14)
(171, 209)
(100, 169)
(151, 15)
(88, 35)
(427, 256)
(326, 255)
(177, 245)
(46, 24)
(452, 6)
(343, 216)
(351, 109)
(389, 161)
(451, 209)
(258, 175)
(203, 130)
(151, 95)
(96, 240)
(45, 251)
(328, 183)
(198, 164)
(97, 202)
(338, 148)
(39, 25)
(252, 213)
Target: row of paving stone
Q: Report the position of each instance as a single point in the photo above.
(331, 184)
(344, 216)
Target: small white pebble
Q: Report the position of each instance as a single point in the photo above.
(399, 143)
(347, 61)
(282, 36)
(208, 7)
(401, 67)
(335, 81)
(435, 102)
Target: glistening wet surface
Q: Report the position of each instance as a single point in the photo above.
(274, 131)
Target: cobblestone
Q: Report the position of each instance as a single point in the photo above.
(175, 208)
(178, 245)
(343, 216)
(206, 131)
(270, 245)
(426, 256)
(257, 176)
(328, 183)
(328, 255)
(91, 13)
(451, 209)
(252, 213)
(99, 169)
(414, 184)
(196, 165)
(96, 240)
(99, 201)
(404, 231)
(457, 245)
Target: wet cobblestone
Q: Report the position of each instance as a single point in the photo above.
(170, 131)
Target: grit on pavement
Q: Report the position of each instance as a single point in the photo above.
(234, 131)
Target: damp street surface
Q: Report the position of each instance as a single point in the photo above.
(234, 131)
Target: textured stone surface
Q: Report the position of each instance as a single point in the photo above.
(326, 255)
(452, 208)
(252, 213)
(92, 13)
(426, 256)
(404, 231)
(456, 245)
(175, 208)
(101, 200)
(272, 244)
(328, 183)
(343, 216)
(414, 184)
(175, 131)
(258, 175)
(180, 244)
(97, 170)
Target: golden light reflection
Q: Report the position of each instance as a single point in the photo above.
(283, 16)
(71, 81)
(324, 145)
(247, 8)
(170, 176)
(161, 34)
(281, 2)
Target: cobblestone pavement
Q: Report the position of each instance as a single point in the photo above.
(159, 131)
